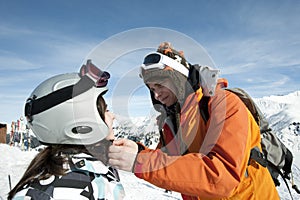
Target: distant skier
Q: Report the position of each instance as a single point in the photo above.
(68, 114)
(12, 133)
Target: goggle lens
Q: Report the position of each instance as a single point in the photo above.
(152, 59)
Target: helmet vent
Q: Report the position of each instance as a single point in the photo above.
(82, 129)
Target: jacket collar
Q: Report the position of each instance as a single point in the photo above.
(87, 162)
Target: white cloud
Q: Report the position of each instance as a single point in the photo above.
(7, 30)
(13, 62)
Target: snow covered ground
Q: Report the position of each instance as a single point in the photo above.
(283, 115)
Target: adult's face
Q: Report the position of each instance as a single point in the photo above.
(164, 91)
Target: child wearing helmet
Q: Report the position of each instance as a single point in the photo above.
(68, 114)
(200, 158)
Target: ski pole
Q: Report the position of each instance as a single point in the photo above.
(9, 181)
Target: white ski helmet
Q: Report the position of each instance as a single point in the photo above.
(63, 108)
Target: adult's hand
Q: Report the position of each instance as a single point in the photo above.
(122, 154)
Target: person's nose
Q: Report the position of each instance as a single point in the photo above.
(111, 115)
(157, 93)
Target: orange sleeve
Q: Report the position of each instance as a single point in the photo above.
(214, 171)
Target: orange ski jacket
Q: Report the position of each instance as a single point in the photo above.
(216, 165)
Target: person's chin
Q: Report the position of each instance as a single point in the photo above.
(167, 104)
(164, 102)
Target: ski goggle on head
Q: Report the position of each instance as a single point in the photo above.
(159, 61)
(98, 76)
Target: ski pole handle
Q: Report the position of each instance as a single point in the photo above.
(296, 188)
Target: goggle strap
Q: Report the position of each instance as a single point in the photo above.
(152, 61)
(84, 84)
(36, 106)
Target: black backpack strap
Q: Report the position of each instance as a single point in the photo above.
(258, 156)
(194, 76)
(287, 168)
(284, 179)
(203, 108)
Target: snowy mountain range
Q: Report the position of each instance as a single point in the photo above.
(282, 113)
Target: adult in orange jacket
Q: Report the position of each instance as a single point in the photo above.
(201, 159)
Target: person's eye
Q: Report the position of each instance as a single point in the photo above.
(160, 86)
(152, 89)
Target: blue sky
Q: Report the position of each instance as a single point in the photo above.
(255, 44)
